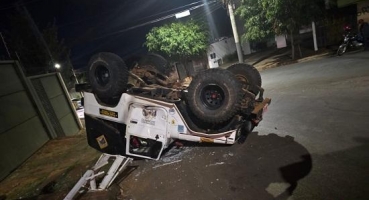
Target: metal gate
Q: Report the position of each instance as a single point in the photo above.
(32, 111)
(55, 100)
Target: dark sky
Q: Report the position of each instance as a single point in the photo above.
(91, 26)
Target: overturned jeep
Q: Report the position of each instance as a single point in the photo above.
(141, 108)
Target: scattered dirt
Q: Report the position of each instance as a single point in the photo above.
(53, 170)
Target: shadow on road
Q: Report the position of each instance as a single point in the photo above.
(264, 167)
(292, 173)
(341, 174)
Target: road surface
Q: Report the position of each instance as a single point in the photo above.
(312, 144)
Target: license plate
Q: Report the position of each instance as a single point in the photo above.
(108, 113)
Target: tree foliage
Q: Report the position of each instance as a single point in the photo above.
(179, 39)
(287, 16)
(257, 26)
(263, 18)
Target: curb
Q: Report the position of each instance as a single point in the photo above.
(301, 60)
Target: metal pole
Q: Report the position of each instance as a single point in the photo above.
(6, 47)
(235, 33)
(314, 36)
(82, 181)
(20, 63)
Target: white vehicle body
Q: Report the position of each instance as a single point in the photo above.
(140, 111)
(149, 120)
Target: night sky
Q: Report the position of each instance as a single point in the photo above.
(91, 26)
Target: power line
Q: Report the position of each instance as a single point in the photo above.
(152, 21)
(212, 9)
(214, 5)
(109, 12)
(170, 10)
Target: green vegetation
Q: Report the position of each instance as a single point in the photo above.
(178, 40)
(263, 18)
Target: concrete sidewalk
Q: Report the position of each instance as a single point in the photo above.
(278, 57)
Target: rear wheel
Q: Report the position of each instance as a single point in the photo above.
(131, 61)
(155, 60)
(214, 95)
(108, 75)
(248, 75)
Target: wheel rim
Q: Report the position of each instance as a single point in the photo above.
(102, 75)
(212, 96)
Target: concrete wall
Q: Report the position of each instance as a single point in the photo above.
(21, 128)
(32, 111)
(57, 104)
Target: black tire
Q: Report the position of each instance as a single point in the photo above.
(214, 95)
(158, 61)
(131, 61)
(108, 75)
(248, 75)
(342, 49)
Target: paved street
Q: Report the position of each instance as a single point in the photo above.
(312, 144)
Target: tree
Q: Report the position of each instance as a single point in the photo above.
(32, 53)
(178, 40)
(257, 26)
(60, 54)
(278, 17)
(24, 45)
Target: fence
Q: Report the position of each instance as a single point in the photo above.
(33, 110)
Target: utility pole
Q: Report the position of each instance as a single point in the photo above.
(314, 36)
(235, 33)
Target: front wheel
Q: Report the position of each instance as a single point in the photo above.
(108, 75)
(342, 49)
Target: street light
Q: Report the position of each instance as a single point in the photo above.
(182, 14)
(57, 66)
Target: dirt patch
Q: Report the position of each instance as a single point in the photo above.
(55, 168)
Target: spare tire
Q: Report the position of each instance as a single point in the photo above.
(248, 75)
(108, 75)
(158, 61)
(214, 95)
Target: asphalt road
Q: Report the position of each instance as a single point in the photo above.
(312, 144)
